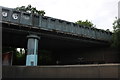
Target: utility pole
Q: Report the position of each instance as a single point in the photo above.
(119, 9)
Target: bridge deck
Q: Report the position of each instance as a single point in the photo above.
(54, 25)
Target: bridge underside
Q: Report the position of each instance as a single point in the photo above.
(16, 36)
(64, 47)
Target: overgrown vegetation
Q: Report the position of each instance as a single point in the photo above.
(116, 34)
(30, 9)
(19, 58)
(85, 23)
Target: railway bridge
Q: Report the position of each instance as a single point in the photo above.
(69, 43)
(35, 32)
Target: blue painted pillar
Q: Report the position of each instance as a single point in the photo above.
(32, 50)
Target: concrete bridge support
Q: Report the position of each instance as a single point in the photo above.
(32, 50)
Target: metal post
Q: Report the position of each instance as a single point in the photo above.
(118, 9)
(32, 50)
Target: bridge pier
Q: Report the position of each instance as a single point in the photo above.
(32, 50)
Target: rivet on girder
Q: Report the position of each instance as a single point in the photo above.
(15, 16)
(4, 14)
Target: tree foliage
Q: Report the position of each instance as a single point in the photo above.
(18, 57)
(30, 9)
(116, 35)
(85, 23)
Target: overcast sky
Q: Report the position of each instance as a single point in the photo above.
(102, 13)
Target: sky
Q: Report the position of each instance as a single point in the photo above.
(101, 13)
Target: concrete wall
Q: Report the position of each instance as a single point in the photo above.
(67, 71)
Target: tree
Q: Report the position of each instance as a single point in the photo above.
(107, 30)
(116, 34)
(85, 23)
(30, 9)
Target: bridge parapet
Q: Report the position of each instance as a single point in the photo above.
(52, 24)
